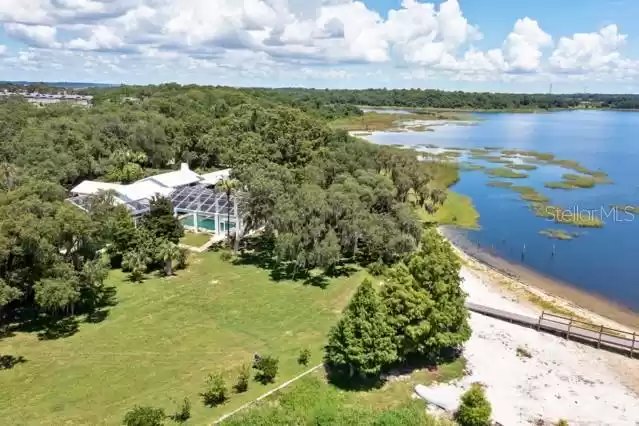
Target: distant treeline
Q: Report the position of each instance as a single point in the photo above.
(418, 98)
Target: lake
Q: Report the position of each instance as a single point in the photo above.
(603, 261)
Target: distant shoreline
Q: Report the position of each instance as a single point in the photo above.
(496, 111)
(566, 294)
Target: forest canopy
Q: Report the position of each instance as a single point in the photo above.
(320, 196)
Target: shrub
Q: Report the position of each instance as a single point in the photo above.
(215, 392)
(304, 357)
(266, 369)
(523, 352)
(226, 256)
(562, 422)
(377, 269)
(182, 258)
(144, 416)
(243, 379)
(183, 412)
(475, 409)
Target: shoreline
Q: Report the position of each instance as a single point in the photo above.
(525, 284)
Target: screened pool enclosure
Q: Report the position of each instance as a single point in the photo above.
(200, 207)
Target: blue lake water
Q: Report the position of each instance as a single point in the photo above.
(603, 261)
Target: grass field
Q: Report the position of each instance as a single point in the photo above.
(195, 240)
(457, 210)
(162, 339)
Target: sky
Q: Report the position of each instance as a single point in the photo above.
(471, 45)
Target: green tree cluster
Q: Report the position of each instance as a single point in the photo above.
(420, 312)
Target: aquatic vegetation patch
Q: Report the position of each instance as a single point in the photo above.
(543, 156)
(522, 166)
(582, 219)
(468, 166)
(529, 193)
(559, 234)
(499, 184)
(505, 173)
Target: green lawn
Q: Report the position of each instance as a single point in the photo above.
(457, 210)
(311, 400)
(163, 338)
(195, 240)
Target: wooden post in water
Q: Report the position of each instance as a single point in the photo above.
(599, 340)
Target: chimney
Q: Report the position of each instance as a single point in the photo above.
(184, 167)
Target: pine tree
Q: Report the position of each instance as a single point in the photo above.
(475, 409)
(425, 301)
(361, 342)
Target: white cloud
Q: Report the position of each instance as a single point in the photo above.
(588, 52)
(522, 48)
(33, 35)
(314, 39)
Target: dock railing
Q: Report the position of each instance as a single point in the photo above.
(571, 328)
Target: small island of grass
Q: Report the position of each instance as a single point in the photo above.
(582, 219)
(522, 166)
(498, 184)
(559, 234)
(503, 172)
(467, 166)
(529, 193)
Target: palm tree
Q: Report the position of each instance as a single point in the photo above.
(136, 262)
(169, 252)
(228, 186)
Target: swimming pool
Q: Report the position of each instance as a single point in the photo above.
(202, 223)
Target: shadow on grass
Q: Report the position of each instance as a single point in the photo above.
(342, 380)
(449, 365)
(50, 327)
(7, 362)
(65, 327)
(259, 252)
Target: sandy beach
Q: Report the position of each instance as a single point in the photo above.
(560, 379)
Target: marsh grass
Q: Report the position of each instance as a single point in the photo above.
(559, 234)
(567, 217)
(522, 166)
(528, 193)
(505, 173)
(498, 184)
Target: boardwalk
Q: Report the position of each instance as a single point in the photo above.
(571, 328)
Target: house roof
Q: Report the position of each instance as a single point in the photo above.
(144, 189)
(175, 179)
(89, 187)
(214, 177)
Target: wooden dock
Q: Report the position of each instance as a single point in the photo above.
(571, 328)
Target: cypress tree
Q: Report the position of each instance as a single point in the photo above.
(361, 343)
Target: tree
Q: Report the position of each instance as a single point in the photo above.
(475, 409)
(169, 253)
(243, 379)
(144, 416)
(362, 341)
(426, 305)
(56, 295)
(215, 392)
(304, 357)
(161, 222)
(228, 186)
(137, 263)
(266, 367)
